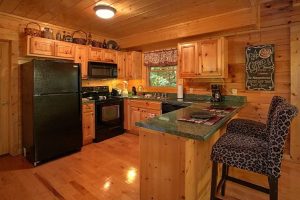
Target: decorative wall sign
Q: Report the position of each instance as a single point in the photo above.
(260, 67)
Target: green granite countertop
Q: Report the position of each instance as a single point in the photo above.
(84, 101)
(168, 123)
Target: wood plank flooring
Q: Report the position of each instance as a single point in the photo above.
(109, 170)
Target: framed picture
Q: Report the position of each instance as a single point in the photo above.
(260, 67)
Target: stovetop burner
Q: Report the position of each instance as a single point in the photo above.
(98, 93)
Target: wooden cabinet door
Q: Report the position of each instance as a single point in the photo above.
(133, 65)
(41, 46)
(136, 64)
(135, 116)
(210, 58)
(188, 62)
(88, 123)
(144, 114)
(109, 56)
(129, 70)
(95, 54)
(81, 56)
(126, 114)
(121, 61)
(153, 113)
(149, 113)
(64, 50)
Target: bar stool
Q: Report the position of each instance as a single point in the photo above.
(255, 147)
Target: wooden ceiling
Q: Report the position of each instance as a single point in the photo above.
(133, 16)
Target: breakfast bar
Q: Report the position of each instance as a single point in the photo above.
(175, 150)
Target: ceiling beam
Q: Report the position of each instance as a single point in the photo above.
(247, 17)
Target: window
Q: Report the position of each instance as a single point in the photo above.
(161, 66)
(162, 76)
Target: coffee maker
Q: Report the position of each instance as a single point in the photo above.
(216, 93)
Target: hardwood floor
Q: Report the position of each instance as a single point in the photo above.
(106, 170)
(109, 171)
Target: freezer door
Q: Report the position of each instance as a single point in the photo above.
(57, 125)
(52, 77)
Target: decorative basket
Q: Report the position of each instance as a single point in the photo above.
(33, 31)
(96, 43)
(79, 40)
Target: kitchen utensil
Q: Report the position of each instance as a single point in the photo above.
(47, 33)
(96, 43)
(79, 40)
(216, 93)
(116, 92)
(68, 37)
(111, 44)
(104, 44)
(33, 31)
(58, 36)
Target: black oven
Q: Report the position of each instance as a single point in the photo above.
(109, 117)
(102, 70)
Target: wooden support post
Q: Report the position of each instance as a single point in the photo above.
(295, 90)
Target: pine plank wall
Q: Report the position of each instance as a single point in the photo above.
(275, 19)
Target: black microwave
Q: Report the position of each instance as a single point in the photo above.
(102, 70)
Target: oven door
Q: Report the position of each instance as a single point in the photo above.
(102, 70)
(109, 119)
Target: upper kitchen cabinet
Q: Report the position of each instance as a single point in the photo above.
(49, 48)
(81, 56)
(102, 55)
(188, 61)
(40, 46)
(204, 59)
(64, 50)
(133, 65)
(121, 61)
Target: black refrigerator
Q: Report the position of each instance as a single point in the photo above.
(51, 109)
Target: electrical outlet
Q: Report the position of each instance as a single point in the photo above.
(234, 91)
(191, 90)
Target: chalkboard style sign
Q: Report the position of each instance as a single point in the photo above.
(260, 67)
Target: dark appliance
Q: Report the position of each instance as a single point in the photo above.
(51, 109)
(109, 112)
(216, 93)
(134, 91)
(116, 92)
(169, 106)
(102, 70)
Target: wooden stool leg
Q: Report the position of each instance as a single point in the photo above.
(273, 182)
(223, 181)
(214, 177)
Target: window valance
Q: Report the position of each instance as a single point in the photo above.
(162, 58)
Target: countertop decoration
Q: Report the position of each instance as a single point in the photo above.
(171, 122)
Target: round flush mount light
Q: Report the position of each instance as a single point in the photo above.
(104, 11)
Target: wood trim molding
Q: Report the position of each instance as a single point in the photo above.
(14, 104)
(247, 17)
(295, 89)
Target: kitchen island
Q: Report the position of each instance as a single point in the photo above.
(175, 155)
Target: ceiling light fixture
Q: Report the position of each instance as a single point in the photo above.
(105, 11)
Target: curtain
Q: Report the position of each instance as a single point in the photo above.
(162, 58)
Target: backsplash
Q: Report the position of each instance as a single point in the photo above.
(112, 83)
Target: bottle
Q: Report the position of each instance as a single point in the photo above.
(89, 39)
(104, 45)
(64, 36)
(125, 93)
(133, 91)
(58, 36)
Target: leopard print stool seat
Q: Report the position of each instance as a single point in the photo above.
(255, 147)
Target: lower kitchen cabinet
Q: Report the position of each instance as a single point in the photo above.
(88, 123)
(139, 110)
